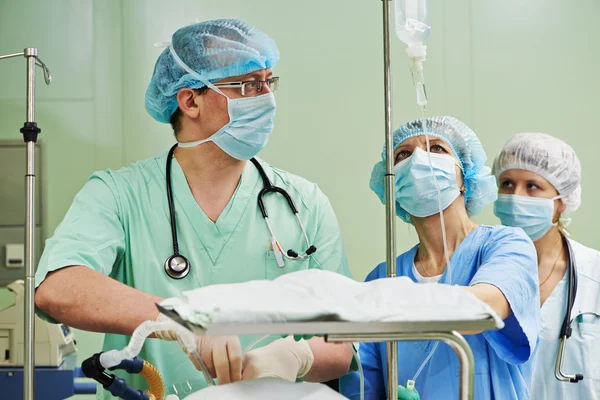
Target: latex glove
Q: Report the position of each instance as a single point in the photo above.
(406, 394)
(222, 355)
(285, 359)
(165, 335)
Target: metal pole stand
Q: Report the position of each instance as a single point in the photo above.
(454, 339)
(390, 198)
(30, 132)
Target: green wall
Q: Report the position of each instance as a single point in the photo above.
(80, 112)
(501, 67)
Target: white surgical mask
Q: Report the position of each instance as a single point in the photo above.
(416, 189)
(250, 121)
(532, 214)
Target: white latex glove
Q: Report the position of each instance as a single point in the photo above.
(222, 355)
(284, 359)
(165, 335)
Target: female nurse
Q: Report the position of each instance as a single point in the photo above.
(496, 263)
(539, 179)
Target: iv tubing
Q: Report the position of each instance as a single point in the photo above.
(360, 371)
(195, 354)
(256, 342)
(439, 192)
(443, 232)
(420, 86)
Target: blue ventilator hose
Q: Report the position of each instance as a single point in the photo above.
(92, 368)
(82, 387)
(119, 388)
(133, 366)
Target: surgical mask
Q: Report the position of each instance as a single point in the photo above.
(250, 121)
(532, 214)
(247, 132)
(416, 190)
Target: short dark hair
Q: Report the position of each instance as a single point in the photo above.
(176, 117)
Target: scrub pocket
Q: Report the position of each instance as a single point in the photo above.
(586, 334)
(272, 270)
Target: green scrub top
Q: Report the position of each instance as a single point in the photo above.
(119, 225)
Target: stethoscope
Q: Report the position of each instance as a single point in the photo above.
(178, 266)
(566, 331)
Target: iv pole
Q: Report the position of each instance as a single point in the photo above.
(30, 132)
(390, 198)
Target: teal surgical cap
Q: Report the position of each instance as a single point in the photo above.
(214, 50)
(480, 185)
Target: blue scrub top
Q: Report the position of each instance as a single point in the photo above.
(501, 256)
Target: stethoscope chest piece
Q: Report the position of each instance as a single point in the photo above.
(177, 266)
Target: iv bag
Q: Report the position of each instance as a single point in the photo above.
(412, 21)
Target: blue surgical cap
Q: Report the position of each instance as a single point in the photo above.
(214, 50)
(480, 185)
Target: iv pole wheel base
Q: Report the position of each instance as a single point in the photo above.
(30, 132)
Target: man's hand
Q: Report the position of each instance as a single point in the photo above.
(222, 355)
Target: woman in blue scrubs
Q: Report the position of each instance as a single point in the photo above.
(495, 263)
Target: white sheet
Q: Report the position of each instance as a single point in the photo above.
(312, 294)
(266, 389)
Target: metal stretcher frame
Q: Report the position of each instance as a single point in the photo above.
(335, 331)
(452, 338)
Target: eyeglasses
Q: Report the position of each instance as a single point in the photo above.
(251, 88)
